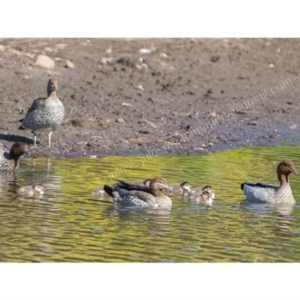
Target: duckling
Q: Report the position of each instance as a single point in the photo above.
(200, 190)
(129, 194)
(45, 114)
(31, 190)
(205, 195)
(181, 189)
(9, 161)
(145, 182)
(269, 193)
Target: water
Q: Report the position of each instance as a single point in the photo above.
(69, 224)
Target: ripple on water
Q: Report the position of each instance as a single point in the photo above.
(70, 224)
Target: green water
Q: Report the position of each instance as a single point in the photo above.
(69, 224)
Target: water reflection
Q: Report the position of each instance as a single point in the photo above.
(71, 224)
(8, 180)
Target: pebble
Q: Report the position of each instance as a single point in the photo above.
(69, 64)
(163, 55)
(145, 51)
(106, 60)
(45, 61)
(253, 122)
(126, 104)
(120, 120)
(2, 48)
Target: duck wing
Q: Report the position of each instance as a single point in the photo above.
(36, 104)
(123, 193)
(134, 187)
(259, 192)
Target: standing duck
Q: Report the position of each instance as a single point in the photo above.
(181, 189)
(9, 160)
(129, 194)
(34, 190)
(269, 193)
(45, 114)
(205, 195)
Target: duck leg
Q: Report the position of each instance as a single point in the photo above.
(49, 139)
(34, 139)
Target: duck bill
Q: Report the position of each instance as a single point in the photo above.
(294, 171)
(169, 189)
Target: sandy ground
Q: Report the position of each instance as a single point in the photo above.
(150, 96)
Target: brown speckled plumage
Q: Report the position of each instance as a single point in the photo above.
(45, 114)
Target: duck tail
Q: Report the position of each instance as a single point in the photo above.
(242, 186)
(108, 190)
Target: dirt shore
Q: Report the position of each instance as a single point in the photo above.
(141, 96)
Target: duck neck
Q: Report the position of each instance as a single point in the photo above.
(51, 93)
(158, 193)
(15, 158)
(16, 166)
(283, 178)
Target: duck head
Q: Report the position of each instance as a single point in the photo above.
(284, 169)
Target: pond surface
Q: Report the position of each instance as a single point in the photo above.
(70, 224)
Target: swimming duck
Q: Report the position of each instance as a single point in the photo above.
(129, 194)
(200, 190)
(205, 195)
(9, 160)
(269, 193)
(31, 190)
(45, 114)
(181, 189)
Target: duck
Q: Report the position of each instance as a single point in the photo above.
(200, 190)
(145, 182)
(45, 114)
(102, 195)
(270, 193)
(132, 195)
(10, 159)
(31, 190)
(181, 189)
(205, 195)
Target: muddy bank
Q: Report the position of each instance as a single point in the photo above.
(141, 96)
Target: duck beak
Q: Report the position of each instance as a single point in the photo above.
(26, 152)
(169, 188)
(294, 171)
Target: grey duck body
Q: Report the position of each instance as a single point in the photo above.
(133, 195)
(269, 193)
